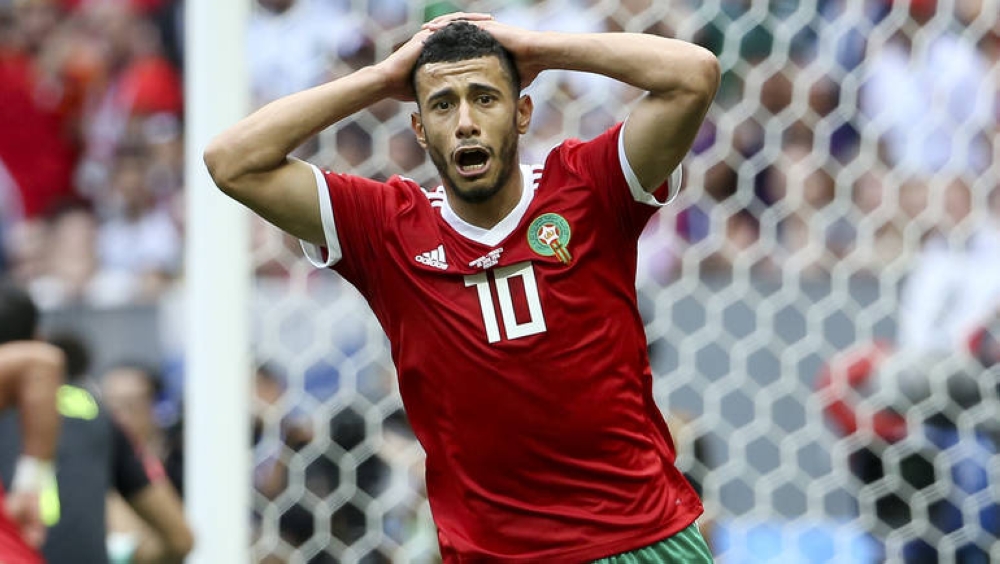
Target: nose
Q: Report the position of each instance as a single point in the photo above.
(467, 126)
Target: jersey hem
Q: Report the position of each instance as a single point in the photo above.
(593, 552)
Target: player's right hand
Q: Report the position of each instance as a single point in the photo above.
(23, 508)
(397, 66)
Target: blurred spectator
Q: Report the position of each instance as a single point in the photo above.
(924, 98)
(921, 412)
(57, 258)
(131, 391)
(37, 143)
(138, 244)
(294, 44)
(798, 190)
(138, 81)
(955, 284)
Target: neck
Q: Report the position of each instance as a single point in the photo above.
(487, 214)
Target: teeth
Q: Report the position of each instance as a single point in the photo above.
(472, 168)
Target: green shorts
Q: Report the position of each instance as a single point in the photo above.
(685, 547)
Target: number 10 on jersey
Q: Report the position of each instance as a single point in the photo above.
(500, 276)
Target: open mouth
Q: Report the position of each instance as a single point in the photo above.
(472, 161)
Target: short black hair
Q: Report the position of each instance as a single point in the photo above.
(18, 314)
(461, 41)
(76, 351)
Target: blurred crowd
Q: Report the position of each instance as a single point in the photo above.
(91, 152)
(849, 138)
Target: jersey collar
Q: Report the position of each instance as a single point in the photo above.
(493, 236)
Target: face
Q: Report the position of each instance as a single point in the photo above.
(469, 122)
(130, 398)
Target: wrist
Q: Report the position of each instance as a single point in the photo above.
(32, 474)
(387, 82)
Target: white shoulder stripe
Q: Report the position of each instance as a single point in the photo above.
(635, 187)
(312, 251)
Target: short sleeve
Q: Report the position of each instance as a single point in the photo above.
(668, 190)
(602, 164)
(357, 213)
(328, 254)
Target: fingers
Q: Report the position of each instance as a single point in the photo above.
(34, 534)
(441, 21)
(23, 509)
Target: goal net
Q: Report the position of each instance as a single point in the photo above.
(810, 299)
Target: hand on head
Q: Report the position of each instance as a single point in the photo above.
(516, 40)
(441, 21)
(398, 65)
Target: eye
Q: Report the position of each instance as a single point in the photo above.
(441, 105)
(485, 99)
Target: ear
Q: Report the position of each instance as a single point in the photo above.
(418, 129)
(524, 109)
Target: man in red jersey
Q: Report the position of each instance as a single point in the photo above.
(507, 293)
(30, 375)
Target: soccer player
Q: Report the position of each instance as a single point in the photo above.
(508, 292)
(30, 375)
(94, 455)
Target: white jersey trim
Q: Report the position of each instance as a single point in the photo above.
(638, 192)
(312, 251)
(495, 235)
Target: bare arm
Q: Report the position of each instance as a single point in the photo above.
(30, 375)
(160, 507)
(250, 162)
(680, 79)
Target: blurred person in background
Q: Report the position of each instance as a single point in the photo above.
(30, 375)
(138, 242)
(295, 44)
(955, 283)
(95, 456)
(134, 393)
(39, 107)
(426, 261)
(926, 95)
(137, 81)
(923, 408)
(56, 258)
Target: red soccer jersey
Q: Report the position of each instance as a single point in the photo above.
(521, 355)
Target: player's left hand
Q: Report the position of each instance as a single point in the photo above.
(23, 508)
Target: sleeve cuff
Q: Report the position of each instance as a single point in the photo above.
(323, 256)
(635, 187)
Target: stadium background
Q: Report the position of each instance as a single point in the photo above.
(842, 196)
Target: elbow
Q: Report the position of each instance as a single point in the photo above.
(222, 165)
(219, 165)
(48, 366)
(705, 75)
(181, 544)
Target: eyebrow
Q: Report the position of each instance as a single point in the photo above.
(476, 87)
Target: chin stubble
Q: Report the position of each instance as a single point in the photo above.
(478, 195)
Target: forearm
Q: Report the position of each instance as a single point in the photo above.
(263, 140)
(656, 64)
(41, 374)
(161, 509)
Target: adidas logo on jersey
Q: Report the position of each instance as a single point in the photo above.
(433, 258)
